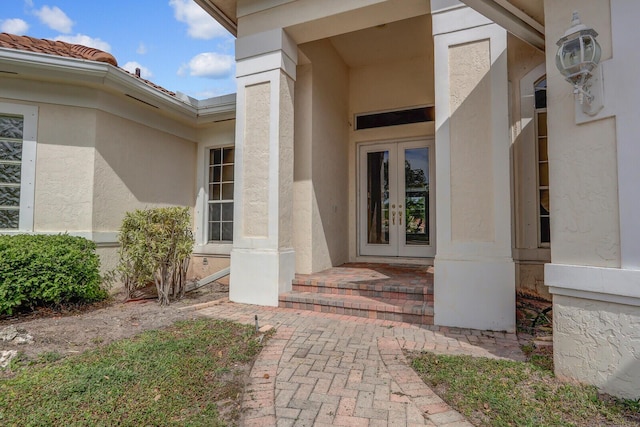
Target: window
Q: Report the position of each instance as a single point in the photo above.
(544, 233)
(18, 142)
(220, 195)
(394, 118)
(11, 134)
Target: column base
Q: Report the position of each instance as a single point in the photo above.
(475, 294)
(259, 276)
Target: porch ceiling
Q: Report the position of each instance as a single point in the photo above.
(395, 41)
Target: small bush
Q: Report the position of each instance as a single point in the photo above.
(47, 270)
(156, 245)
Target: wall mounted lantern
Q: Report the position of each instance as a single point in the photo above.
(577, 59)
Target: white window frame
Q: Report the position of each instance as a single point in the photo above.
(203, 246)
(29, 114)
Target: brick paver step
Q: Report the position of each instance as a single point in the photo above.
(418, 292)
(396, 309)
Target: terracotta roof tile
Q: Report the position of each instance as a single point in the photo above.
(60, 48)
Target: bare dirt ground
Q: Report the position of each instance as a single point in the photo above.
(76, 329)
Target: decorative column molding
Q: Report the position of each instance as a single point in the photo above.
(262, 258)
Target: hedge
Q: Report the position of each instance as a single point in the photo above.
(43, 270)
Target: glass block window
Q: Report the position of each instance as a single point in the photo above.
(220, 197)
(11, 135)
(544, 233)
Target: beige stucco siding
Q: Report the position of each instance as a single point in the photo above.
(321, 196)
(138, 167)
(472, 198)
(256, 151)
(598, 343)
(584, 198)
(64, 168)
(392, 85)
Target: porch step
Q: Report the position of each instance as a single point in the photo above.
(396, 309)
(384, 291)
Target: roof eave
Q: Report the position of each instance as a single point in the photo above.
(511, 19)
(50, 67)
(217, 14)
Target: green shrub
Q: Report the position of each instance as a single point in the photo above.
(156, 245)
(37, 270)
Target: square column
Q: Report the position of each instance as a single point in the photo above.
(262, 257)
(474, 283)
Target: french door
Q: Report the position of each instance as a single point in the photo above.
(396, 206)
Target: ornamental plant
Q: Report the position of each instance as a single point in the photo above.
(45, 270)
(156, 246)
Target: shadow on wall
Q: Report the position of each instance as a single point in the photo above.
(321, 157)
(137, 166)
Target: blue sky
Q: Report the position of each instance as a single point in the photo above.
(174, 42)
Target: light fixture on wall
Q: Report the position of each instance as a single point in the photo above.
(577, 59)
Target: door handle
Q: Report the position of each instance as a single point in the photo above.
(393, 218)
(400, 217)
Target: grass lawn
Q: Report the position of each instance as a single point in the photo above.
(506, 393)
(188, 375)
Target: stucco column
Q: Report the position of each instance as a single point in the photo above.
(595, 233)
(474, 270)
(262, 258)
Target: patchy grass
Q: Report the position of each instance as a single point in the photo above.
(506, 393)
(190, 374)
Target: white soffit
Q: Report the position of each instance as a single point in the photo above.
(512, 19)
(223, 11)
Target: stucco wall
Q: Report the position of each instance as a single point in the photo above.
(523, 59)
(138, 167)
(582, 158)
(256, 174)
(64, 168)
(595, 309)
(303, 197)
(525, 66)
(472, 203)
(598, 343)
(321, 169)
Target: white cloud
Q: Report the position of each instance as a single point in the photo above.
(142, 49)
(201, 25)
(86, 41)
(14, 26)
(28, 3)
(55, 18)
(131, 66)
(210, 64)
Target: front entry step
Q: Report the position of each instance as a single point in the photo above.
(399, 310)
(374, 291)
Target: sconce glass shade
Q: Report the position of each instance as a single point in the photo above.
(578, 53)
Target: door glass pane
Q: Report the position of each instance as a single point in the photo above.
(416, 184)
(378, 197)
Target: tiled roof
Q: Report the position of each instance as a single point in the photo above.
(59, 48)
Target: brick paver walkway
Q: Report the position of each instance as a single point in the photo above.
(322, 369)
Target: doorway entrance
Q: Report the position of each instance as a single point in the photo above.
(396, 216)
